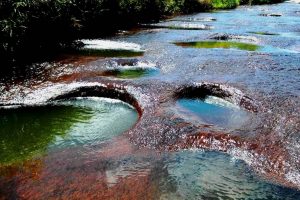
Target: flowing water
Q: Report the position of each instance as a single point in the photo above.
(219, 81)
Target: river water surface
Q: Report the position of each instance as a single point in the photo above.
(204, 106)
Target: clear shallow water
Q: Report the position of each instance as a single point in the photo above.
(130, 174)
(216, 111)
(30, 131)
(212, 175)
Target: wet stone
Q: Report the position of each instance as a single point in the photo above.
(221, 36)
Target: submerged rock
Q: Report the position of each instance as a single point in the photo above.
(263, 33)
(271, 14)
(225, 36)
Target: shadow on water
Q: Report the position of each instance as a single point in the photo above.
(109, 53)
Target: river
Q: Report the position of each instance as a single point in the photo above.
(210, 109)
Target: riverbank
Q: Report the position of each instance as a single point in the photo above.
(29, 30)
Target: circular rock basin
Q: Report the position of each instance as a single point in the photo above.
(27, 132)
(214, 175)
(215, 111)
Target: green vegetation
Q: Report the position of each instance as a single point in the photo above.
(222, 4)
(33, 28)
(218, 44)
(259, 2)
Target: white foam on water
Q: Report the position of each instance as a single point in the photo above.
(46, 92)
(293, 1)
(293, 177)
(41, 95)
(139, 65)
(99, 99)
(110, 45)
(136, 65)
(11, 107)
(220, 102)
(245, 38)
(191, 26)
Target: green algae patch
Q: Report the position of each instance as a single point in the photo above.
(131, 73)
(263, 33)
(219, 44)
(111, 53)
